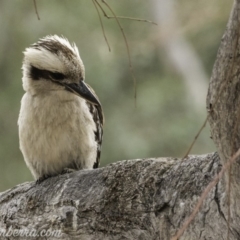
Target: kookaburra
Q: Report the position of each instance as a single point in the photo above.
(61, 118)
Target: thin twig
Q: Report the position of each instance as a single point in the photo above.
(229, 202)
(205, 193)
(131, 18)
(124, 17)
(230, 178)
(100, 19)
(103, 11)
(193, 142)
(195, 138)
(127, 46)
(35, 6)
(123, 34)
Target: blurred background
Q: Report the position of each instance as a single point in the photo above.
(172, 63)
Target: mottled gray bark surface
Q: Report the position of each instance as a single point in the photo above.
(135, 199)
(223, 103)
(147, 198)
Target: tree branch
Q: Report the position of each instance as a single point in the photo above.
(134, 199)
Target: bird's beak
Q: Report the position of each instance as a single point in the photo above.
(82, 90)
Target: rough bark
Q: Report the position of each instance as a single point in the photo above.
(223, 103)
(135, 199)
(147, 198)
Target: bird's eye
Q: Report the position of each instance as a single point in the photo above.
(56, 75)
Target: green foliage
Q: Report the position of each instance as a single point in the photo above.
(164, 122)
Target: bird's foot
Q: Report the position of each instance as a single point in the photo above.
(68, 170)
(41, 179)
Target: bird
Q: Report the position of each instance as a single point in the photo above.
(61, 119)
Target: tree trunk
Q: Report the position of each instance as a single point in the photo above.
(146, 198)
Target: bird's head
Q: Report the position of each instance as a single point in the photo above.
(53, 64)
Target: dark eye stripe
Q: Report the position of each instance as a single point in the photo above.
(57, 75)
(36, 74)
